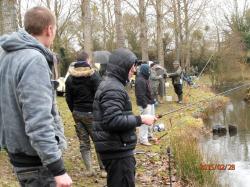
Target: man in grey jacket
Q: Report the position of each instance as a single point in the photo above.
(177, 80)
(30, 127)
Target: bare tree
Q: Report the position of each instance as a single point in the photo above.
(19, 13)
(64, 17)
(8, 16)
(143, 28)
(87, 34)
(158, 5)
(141, 13)
(186, 14)
(176, 31)
(187, 34)
(120, 39)
(104, 25)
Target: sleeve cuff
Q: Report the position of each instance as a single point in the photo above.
(57, 168)
(139, 121)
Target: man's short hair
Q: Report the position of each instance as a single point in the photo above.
(37, 19)
(82, 56)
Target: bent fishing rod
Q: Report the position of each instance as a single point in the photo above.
(203, 100)
(205, 65)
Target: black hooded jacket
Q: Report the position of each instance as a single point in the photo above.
(142, 87)
(114, 124)
(143, 91)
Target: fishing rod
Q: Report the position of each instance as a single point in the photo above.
(203, 100)
(205, 66)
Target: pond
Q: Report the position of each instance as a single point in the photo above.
(233, 149)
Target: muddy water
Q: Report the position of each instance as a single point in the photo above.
(230, 150)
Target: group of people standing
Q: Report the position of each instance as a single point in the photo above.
(102, 111)
(31, 130)
(148, 84)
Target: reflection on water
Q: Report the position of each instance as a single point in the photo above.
(231, 149)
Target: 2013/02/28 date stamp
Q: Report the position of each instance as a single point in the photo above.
(204, 166)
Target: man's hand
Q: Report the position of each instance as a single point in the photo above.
(63, 180)
(148, 119)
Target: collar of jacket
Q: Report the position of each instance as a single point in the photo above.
(81, 71)
(144, 76)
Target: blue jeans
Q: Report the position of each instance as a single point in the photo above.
(37, 176)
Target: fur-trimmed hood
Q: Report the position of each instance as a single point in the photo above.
(81, 71)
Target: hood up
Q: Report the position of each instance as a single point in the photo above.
(120, 62)
(145, 71)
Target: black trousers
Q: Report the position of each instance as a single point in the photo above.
(178, 89)
(121, 172)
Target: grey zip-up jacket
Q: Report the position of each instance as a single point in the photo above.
(29, 119)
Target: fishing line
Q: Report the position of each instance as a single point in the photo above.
(205, 66)
(203, 100)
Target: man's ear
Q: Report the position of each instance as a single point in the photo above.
(49, 31)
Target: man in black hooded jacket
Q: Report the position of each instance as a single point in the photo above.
(114, 124)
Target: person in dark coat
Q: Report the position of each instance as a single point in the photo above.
(177, 80)
(145, 101)
(114, 125)
(81, 86)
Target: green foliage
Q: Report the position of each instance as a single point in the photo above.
(188, 159)
(246, 37)
(66, 57)
(134, 42)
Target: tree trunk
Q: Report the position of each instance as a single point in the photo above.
(8, 16)
(120, 39)
(57, 41)
(187, 36)
(104, 25)
(218, 39)
(143, 28)
(19, 13)
(87, 35)
(176, 34)
(160, 51)
(180, 32)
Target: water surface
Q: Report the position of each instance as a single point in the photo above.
(231, 149)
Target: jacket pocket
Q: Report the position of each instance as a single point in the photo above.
(129, 137)
(57, 139)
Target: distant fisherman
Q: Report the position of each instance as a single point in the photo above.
(177, 80)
